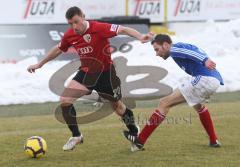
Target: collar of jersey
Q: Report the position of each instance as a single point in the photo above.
(88, 25)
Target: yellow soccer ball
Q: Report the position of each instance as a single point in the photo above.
(35, 147)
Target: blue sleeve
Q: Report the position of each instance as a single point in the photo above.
(187, 51)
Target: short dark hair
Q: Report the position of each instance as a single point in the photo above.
(72, 11)
(161, 38)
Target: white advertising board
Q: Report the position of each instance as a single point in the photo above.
(152, 9)
(53, 11)
(194, 10)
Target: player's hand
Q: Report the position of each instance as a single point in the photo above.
(147, 37)
(32, 68)
(210, 64)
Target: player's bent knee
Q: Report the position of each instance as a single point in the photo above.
(114, 106)
(65, 101)
(118, 107)
(197, 107)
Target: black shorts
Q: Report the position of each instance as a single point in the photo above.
(106, 84)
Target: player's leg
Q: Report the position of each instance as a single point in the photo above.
(73, 91)
(206, 120)
(127, 116)
(156, 118)
(109, 87)
(202, 88)
(169, 101)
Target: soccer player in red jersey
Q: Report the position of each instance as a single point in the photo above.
(91, 41)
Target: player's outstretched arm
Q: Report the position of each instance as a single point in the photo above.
(122, 30)
(52, 54)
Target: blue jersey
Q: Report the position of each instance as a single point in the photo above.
(192, 60)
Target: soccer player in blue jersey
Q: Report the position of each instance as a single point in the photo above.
(204, 81)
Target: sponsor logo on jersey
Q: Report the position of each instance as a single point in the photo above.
(85, 50)
(87, 38)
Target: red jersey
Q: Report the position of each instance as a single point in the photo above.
(93, 46)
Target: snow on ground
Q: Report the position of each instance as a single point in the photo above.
(220, 40)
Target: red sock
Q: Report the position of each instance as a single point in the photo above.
(156, 119)
(207, 123)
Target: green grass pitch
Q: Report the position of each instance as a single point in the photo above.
(179, 141)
